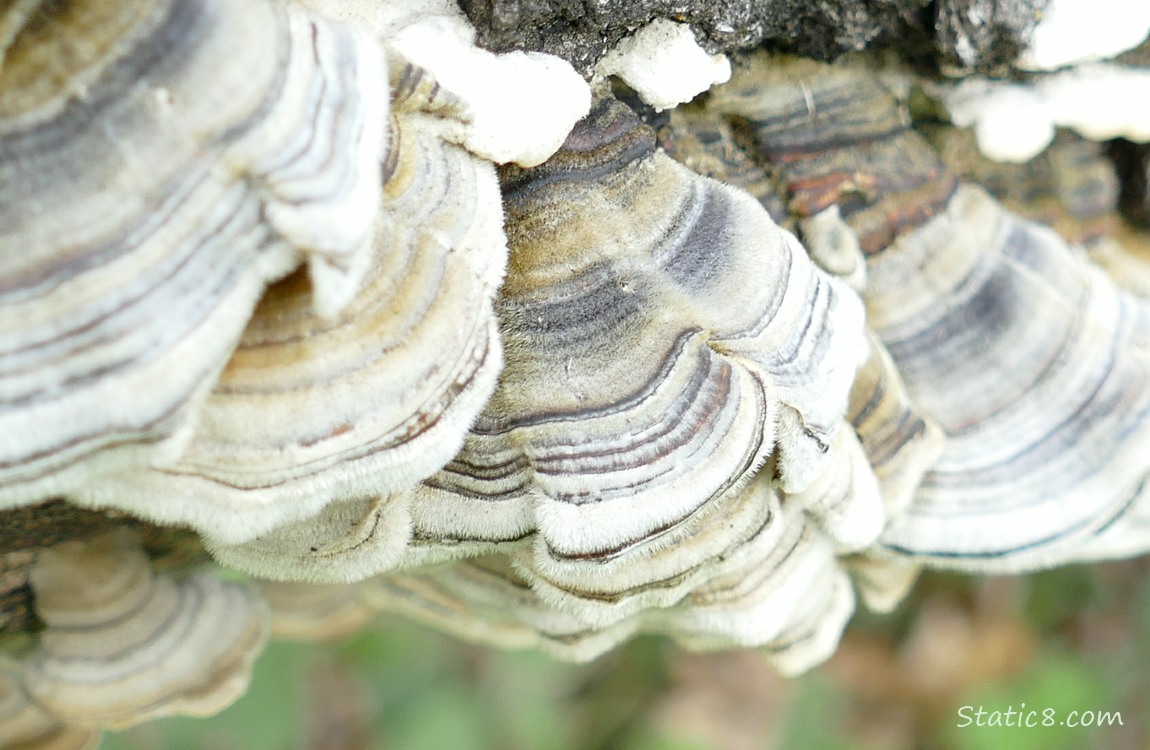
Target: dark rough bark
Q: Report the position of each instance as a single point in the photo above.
(962, 36)
(984, 36)
(581, 31)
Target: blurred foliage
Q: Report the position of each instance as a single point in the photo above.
(1072, 639)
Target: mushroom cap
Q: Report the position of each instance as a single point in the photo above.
(654, 362)
(311, 411)
(123, 645)
(26, 726)
(1047, 426)
(160, 162)
(832, 134)
(779, 590)
(685, 326)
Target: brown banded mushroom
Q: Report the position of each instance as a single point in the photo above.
(160, 162)
(833, 135)
(123, 644)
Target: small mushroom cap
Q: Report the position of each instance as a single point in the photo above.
(1071, 186)
(160, 162)
(705, 142)
(345, 542)
(124, 645)
(26, 726)
(1125, 257)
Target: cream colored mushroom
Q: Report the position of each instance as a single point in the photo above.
(311, 411)
(311, 611)
(123, 644)
(26, 726)
(160, 162)
(779, 589)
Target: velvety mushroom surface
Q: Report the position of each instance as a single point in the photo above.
(312, 410)
(144, 210)
(392, 323)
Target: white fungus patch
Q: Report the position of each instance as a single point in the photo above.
(1015, 122)
(665, 64)
(1075, 31)
(522, 104)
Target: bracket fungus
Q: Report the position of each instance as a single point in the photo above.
(26, 726)
(777, 588)
(1044, 428)
(123, 644)
(305, 413)
(383, 324)
(143, 213)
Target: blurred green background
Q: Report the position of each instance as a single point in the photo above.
(1072, 639)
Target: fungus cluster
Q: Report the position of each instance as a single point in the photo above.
(391, 323)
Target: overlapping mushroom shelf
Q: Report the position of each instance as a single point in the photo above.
(551, 403)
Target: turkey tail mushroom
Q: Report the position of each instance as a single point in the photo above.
(1046, 425)
(26, 726)
(306, 413)
(124, 644)
(653, 364)
(160, 162)
(688, 326)
(778, 588)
